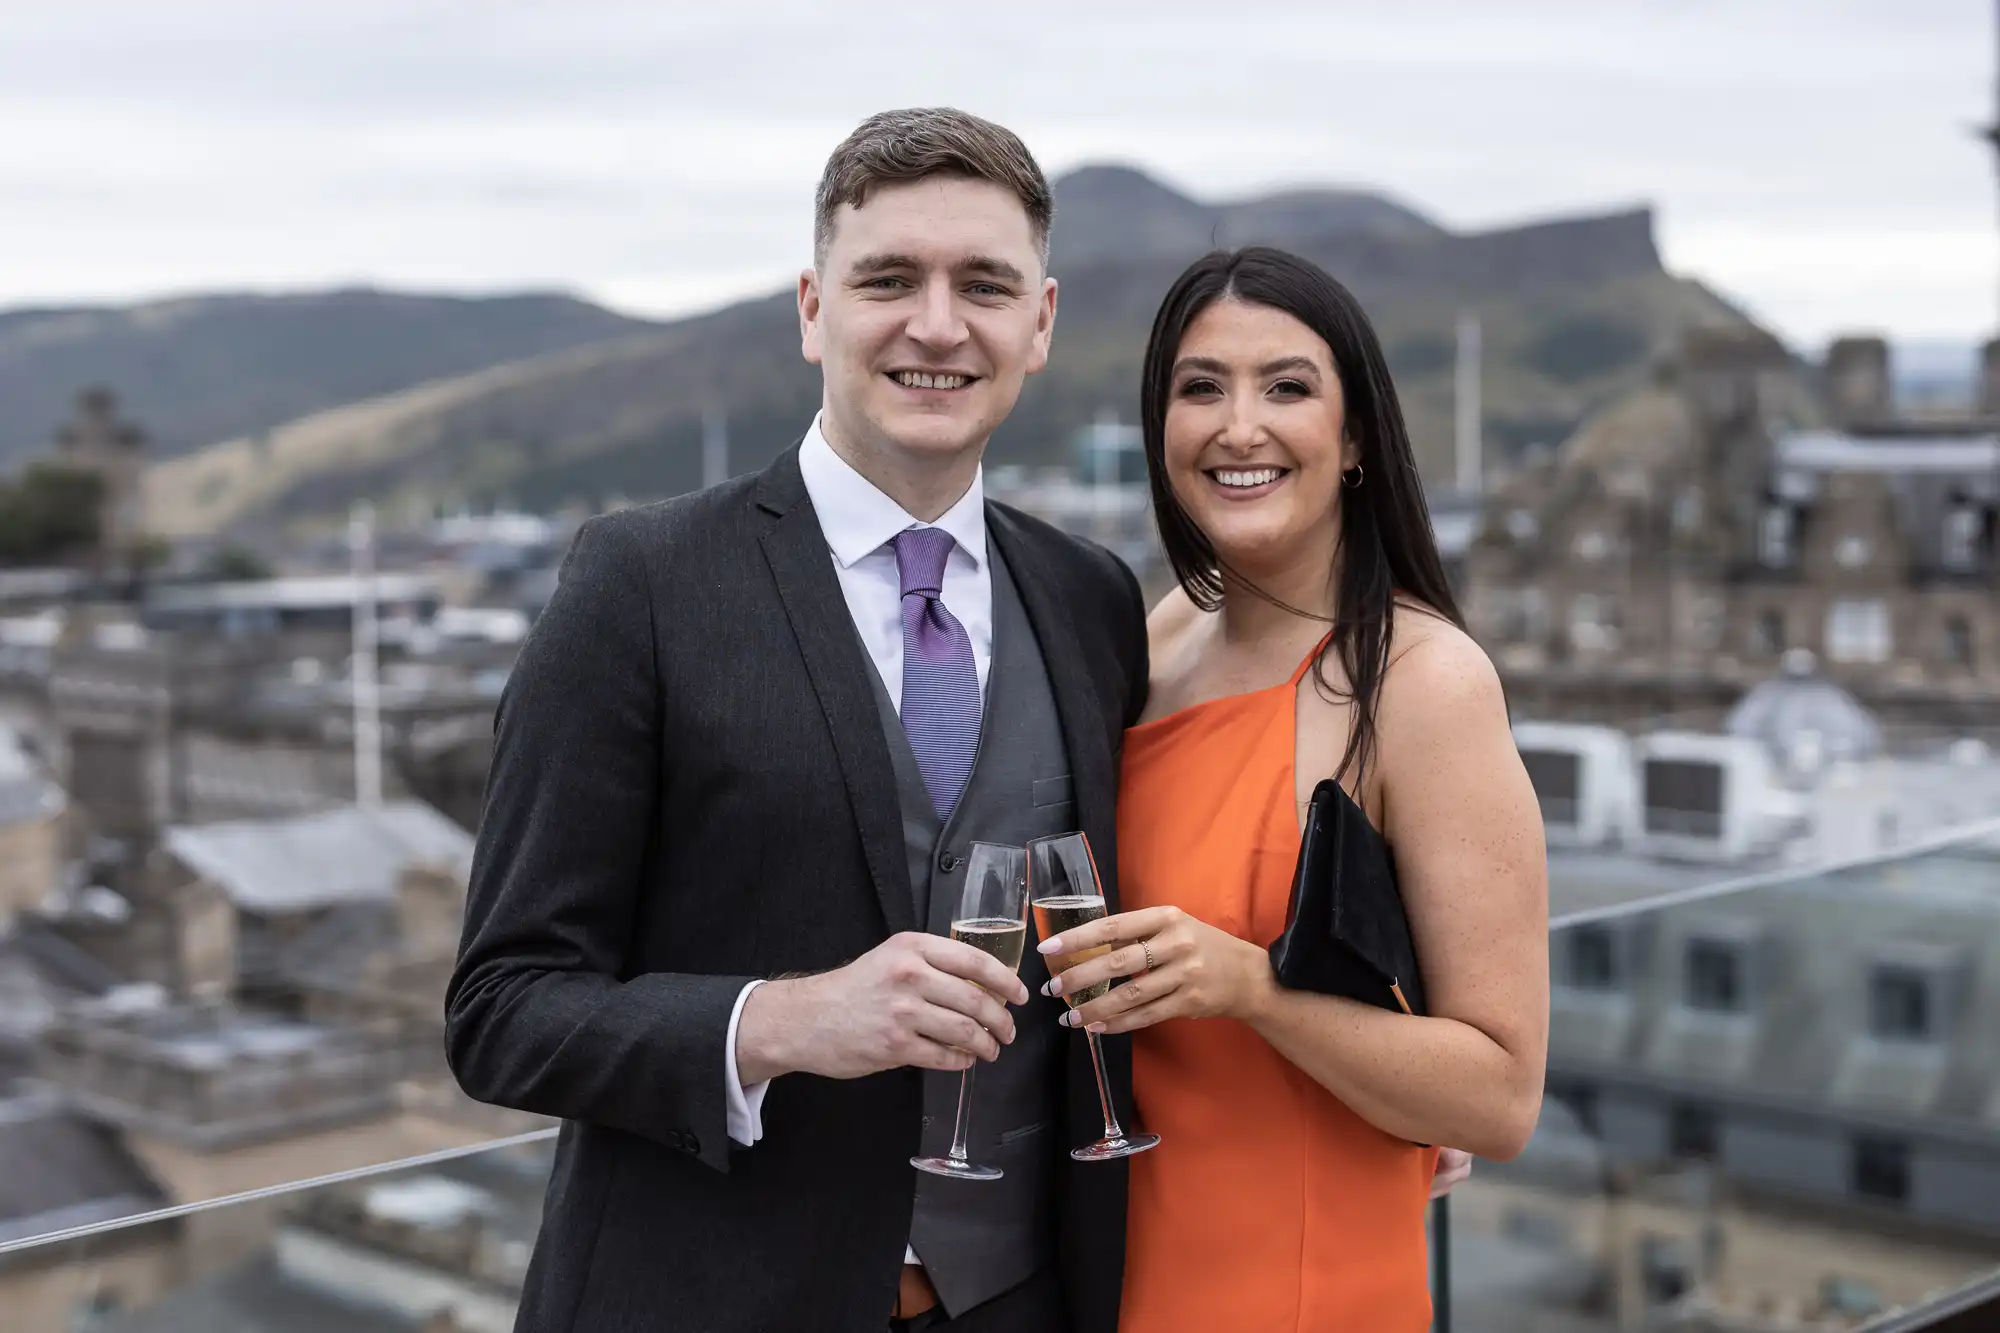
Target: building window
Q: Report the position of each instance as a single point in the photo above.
(1687, 510)
(1882, 1169)
(1858, 632)
(1693, 1133)
(1715, 977)
(95, 1310)
(1591, 545)
(1581, 1099)
(1665, 1269)
(1543, 1230)
(1768, 637)
(1963, 529)
(1774, 537)
(1958, 641)
(1899, 1004)
(1848, 1298)
(1851, 553)
(1704, 623)
(1593, 624)
(1593, 958)
(1535, 614)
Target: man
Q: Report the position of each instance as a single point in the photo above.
(750, 741)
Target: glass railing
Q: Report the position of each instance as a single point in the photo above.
(1773, 1104)
(433, 1244)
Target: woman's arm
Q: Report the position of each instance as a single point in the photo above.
(1461, 816)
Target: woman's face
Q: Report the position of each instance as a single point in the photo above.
(1255, 428)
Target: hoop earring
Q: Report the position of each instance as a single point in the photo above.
(1351, 478)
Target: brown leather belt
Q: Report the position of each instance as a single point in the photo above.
(914, 1293)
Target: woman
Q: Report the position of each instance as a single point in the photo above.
(1312, 635)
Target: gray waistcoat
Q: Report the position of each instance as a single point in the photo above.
(979, 1238)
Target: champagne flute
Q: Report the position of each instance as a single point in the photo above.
(1063, 886)
(992, 917)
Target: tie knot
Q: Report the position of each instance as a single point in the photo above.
(920, 557)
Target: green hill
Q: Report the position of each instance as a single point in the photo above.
(1574, 312)
(199, 369)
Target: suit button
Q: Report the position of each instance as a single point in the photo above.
(692, 1144)
(673, 1138)
(947, 863)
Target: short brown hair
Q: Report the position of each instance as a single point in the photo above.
(892, 147)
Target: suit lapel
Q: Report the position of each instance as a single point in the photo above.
(1077, 703)
(796, 550)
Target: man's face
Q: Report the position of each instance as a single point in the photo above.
(925, 314)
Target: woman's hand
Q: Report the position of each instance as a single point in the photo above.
(1179, 968)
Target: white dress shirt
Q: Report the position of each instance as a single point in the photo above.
(859, 522)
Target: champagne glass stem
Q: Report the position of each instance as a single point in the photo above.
(1111, 1129)
(964, 1121)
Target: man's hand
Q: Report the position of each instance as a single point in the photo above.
(917, 1000)
(1453, 1166)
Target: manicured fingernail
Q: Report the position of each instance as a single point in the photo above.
(1054, 987)
(1068, 1019)
(1050, 945)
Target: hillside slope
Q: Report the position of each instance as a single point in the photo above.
(1574, 312)
(200, 369)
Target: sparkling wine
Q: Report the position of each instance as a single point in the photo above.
(1003, 937)
(1053, 916)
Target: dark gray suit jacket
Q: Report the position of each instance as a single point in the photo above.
(690, 789)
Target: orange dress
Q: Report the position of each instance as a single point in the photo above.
(1268, 1205)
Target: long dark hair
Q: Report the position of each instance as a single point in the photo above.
(1387, 548)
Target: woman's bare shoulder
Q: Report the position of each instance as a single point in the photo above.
(1438, 674)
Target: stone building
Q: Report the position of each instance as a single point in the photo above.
(31, 831)
(147, 726)
(442, 1248)
(98, 440)
(1674, 550)
(1777, 1105)
(260, 1002)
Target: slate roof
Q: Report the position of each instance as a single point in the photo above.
(326, 859)
(256, 1297)
(40, 971)
(58, 1170)
(1803, 1041)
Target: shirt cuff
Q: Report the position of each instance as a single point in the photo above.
(743, 1107)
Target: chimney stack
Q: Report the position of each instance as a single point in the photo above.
(1857, 381)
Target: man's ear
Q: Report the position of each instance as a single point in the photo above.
(1045, 327)
(809, 312)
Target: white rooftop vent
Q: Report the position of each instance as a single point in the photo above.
(1583, 777)
(1705, 797)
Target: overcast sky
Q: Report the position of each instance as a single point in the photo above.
(1812, 158)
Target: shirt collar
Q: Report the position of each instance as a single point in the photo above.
(858, 519)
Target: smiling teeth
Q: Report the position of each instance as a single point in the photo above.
(1262, 476)
(915, 379)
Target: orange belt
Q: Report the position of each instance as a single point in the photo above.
(914, 1293)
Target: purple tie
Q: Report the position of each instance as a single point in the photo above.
(940, 682)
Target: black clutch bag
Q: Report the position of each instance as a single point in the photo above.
(1346, 932)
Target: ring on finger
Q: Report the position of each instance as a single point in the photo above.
(1146, 948)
